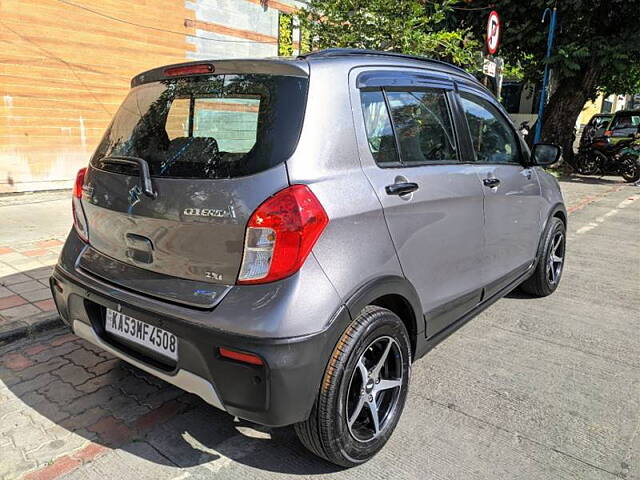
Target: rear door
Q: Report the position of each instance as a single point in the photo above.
(432, 201)
(215, 146)
(512, 203)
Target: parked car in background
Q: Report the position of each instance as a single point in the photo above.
(623, 126)
(595, 128)
(284, 238)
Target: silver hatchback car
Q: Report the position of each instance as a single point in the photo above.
(284, 237)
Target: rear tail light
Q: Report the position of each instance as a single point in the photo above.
(243, 357)
(608, 133)
(280, 235)
(79, 219)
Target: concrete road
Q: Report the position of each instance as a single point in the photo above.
(531, 389)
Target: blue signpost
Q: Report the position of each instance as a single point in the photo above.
(545, 78)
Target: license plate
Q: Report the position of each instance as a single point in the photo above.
(142, 333)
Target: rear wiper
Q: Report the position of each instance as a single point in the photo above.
(143, 168)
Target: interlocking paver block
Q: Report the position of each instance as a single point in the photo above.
(63, 339)
(112, 431)
(85, 419)
(41, 367)
(35, 383)
(13, 279)
(94, 399)
(73, 374)
(16, 361)
(105, 366)
(60, 393)
(84, 358)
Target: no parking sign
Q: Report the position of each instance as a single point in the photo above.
(494, 28)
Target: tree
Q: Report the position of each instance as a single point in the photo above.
(418, 27)
(597, 49)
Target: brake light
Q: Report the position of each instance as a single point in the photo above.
(189, 70)
(243, 357)
(79, 220)
(608, 133)
(280, 235)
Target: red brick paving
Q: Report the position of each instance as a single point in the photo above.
(58, 468)
(5, 250)
(16, 361)
(46, 305)
(49, 243)
(35, 253)
(12, 301)
(41, 375)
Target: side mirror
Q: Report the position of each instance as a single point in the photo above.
(545, 154)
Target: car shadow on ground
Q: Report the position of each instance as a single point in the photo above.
(65, 384)
(591, 180)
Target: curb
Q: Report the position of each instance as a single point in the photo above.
(34, 324)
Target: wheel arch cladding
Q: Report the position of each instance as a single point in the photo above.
(397, 295)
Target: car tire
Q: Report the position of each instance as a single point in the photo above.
(351, 389)
(548, 272)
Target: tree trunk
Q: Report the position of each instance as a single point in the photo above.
(565, 105)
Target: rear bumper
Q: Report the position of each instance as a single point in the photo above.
(280, 392)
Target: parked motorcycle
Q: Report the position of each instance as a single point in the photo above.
(601, 158)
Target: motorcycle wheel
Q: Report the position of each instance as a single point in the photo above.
(630, 168)
(590, 163)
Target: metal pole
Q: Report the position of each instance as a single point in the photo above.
(545, 78)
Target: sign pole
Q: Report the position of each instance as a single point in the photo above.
(545, 77)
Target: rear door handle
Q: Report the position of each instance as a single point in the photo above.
(491, 182)
(402, 188)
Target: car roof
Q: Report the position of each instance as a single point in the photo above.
(300, 65)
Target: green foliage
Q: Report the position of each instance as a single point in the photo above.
(417, 27)
(285, 35)
(599, 37)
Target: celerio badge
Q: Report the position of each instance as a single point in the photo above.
(228, 212)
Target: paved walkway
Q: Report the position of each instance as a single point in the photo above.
(34, 229)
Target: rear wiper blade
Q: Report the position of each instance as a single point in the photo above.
(143, 168)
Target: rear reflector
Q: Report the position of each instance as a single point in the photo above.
(280, 235)
(189, 70)
(79, 220)
(243, 357)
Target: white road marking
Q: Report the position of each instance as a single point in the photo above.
(623, 204)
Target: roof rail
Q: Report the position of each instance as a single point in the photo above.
(342, 52)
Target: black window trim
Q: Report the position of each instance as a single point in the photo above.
(464, 88)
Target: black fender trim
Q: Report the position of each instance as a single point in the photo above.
(369, 292)
(555, 209)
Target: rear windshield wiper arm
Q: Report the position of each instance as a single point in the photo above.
(143, 168)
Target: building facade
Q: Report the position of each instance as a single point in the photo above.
(66, 66)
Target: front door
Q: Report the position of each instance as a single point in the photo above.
(511, 192)
(432, 201)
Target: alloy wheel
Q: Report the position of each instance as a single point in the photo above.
(374, 389)
(555, 259)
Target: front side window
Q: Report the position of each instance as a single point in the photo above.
(423, 126)
(494, 141)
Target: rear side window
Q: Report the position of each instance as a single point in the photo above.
(625, 125)
(377, 123)
(494, 141)
(219, 126)
(423, 125)
(419, 119)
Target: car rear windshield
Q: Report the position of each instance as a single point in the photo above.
(626, 123)
(218, 126)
